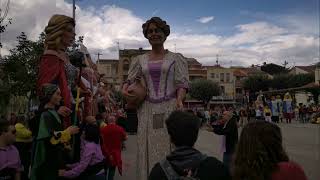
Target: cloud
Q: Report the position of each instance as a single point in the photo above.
(103, 27)
(206, 19)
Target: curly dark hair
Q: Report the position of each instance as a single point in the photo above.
(159, 23)
(258, 151)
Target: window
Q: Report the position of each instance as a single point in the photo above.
(213, 75)
(227, 77)
(217, 76)
(221, 77)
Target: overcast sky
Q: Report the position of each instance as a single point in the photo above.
(241, 32)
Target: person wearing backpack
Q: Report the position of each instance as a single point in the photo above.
(186, 162)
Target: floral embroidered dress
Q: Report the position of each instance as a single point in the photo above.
(163, 79)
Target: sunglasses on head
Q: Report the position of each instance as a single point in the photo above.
(156, 30)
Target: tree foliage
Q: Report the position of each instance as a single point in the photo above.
(3, 27)
(256, 83)
(274, 69)
(203, 90)
(281, 81)
(20, 67)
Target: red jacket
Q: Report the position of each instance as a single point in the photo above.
(112, 138)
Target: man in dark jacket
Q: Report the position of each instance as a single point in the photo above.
(185, 161)
(230, 131)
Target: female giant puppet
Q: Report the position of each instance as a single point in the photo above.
(55, 67)
(166, 78)
(287, 107)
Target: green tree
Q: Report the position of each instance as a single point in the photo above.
(280, 81)
(300, 80)
(273, 69)
(203, 90)
(256, 83)
(20, 67)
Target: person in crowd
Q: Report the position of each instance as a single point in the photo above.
(112, 137)
(166, 77)
(243, 117)
(52, 141)
(259, 113)
(10, 164)
(91, 162)
(23, 144)
(267, 113)
(229, 130)
(13, 119)
(296, 113)
(260, 155)
(186, 161)
(252, 111)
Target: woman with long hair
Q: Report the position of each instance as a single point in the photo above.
(261, 156)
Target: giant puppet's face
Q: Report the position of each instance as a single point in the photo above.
(287, 96)
(155, 35)
(68, 36)
(56, 97)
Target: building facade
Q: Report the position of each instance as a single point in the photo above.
(125, 58)
(109, 69)
(225, 78)
(196, 70)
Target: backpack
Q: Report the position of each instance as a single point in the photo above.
(171, 174)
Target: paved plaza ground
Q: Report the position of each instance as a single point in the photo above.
(302, 142)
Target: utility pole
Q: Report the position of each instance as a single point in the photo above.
(98, 56)
(217, 59)
(285, 63)
(74, 10)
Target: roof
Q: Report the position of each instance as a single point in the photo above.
(239, 73)
(309, 69)
(253, 71)
(215, 66)
(108, 61)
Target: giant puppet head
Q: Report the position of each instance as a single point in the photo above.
(59, 32)
(287, 97)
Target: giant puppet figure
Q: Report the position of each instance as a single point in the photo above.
(275, 109)
(52, 140)
(90, 79)
(259, 101)
(55, 67)
(166, 82)
(287, 107)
